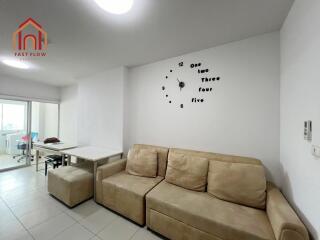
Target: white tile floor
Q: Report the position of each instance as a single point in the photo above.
(28, 212)
(7, 161)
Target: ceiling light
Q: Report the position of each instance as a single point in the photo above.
(115, 6)
(15, 63)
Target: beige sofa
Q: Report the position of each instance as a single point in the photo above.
(179, 213)
(211, 210)
(125, 193)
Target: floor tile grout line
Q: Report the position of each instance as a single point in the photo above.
(28, 213)
(41, 194)
(76, 220)
(134, 233)
(79, 222)
(55, 235)
(46, 220)
(112, 221)
(19, 187)
(97, 234)
(89, 230)
(22, 202)
(17, 219)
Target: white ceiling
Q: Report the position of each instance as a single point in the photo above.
(83, 39)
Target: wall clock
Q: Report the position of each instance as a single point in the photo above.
(188, 83)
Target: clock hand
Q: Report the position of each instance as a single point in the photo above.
(179, 83)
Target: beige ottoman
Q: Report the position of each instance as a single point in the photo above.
(71, 185)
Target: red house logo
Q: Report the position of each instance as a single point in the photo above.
(22, 40)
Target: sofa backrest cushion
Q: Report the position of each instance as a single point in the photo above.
(162, 154)
(142, 162)
(238, 182)
(187, 171)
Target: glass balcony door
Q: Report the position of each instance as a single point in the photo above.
(15, 137)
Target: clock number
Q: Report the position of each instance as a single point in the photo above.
(201, 89)
(205, 79)
(194, 65)
(203, 70)
(197, 100)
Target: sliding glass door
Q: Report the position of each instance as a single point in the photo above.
(21, 124)
(14, 134)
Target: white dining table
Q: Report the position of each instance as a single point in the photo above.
(54, 148)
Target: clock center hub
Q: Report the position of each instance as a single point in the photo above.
(181, 84)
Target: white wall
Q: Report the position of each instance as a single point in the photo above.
(98, 102)
(26, 89)
(240, 117)
(51, 120)
(300, 101)
(68, 114)
(35, 117)
(45, 118)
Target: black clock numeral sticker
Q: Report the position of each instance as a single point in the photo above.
(197, 100)
(203, 70)
(201, 89)
(205, 79)
(194, 65)
(206, 82)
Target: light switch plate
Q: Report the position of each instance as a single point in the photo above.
(316, 151)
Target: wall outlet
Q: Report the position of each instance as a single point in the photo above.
(315, 151)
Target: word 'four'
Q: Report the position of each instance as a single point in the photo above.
(201, 89)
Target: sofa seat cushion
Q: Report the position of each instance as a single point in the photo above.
(125, 193)
(200, 210)
(72, 174)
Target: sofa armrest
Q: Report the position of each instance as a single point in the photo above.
(284, 221)
(110, 169)
(105, 171)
